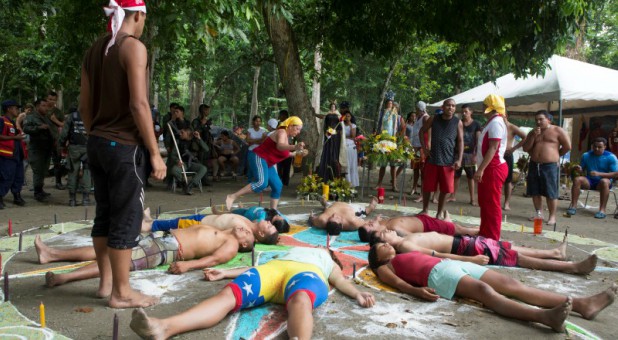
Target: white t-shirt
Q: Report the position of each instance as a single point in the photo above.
(495, 129)
(253, 134)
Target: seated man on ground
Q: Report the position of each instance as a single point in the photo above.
(299, 279)
(196, 247)
(191, 147)
(601, 167)
(340, 216)
(482, 250)
(405, 225)
(263, 231)
(428, 278)
(257, 214)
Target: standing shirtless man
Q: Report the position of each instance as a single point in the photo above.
(115, 110)
(546, 144)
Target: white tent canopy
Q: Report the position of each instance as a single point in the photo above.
(579, 85)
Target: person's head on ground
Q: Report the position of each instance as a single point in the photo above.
(283, 115)
(204, 111)
(466, 113)
(293, 125)
(256, 121)
(599, 145)
(380, 254)
(364, 232)
(448, 108)
(543, 119)
(51, 98)
(333, 228)
(245, 238)
(41, 106)
(266, 233)
(385, 235)
(280, 223)
(10, 108)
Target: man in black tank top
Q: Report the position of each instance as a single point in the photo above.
(445, 154)
(116, 114)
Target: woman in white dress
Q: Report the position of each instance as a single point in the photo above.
(350, 133)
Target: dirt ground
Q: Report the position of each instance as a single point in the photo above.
(393, 316)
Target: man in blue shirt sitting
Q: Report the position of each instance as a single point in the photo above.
(601, 168)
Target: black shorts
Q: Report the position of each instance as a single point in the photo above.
(543, 180)
(509, 161)
(468, 164)
(117, 171)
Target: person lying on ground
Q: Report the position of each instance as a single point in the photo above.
(196, 247)
(264, 231)
(428, 278)
(405, 225)
(340, 216)
(257, 214)
(299, 279)
(480, 250)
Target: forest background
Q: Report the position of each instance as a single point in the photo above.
(259, 56)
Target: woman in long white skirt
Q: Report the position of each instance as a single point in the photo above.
(352, 153)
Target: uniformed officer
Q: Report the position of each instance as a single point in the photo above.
(43, 136)
(11, 154)
(75, 134)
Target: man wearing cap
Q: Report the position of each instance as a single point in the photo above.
(43, 137)
(11, 154)
(116, 113)
(545, 143)
(419, 154)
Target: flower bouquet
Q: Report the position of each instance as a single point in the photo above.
(384, 148)
(310, 187)
(340, 189)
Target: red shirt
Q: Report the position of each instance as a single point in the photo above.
(268, 151)
(414, 267)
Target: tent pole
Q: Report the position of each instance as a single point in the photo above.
(560, 122)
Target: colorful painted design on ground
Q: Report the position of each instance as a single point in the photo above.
(269, 320)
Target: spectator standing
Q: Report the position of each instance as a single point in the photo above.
(512, 131)
(471, 130)
(11, 154)
(601, 167)
(74, 133)
(546, 143)
(445, 154)
(57, 117)
(418, 163)
(43, 137)
(349, 129)
(492, 170)
(115, 111)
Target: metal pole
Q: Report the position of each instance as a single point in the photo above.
(182, 165)
(403, 181)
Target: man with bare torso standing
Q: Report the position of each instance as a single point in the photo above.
(116, 113)
(546, 144)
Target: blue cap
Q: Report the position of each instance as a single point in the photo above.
(8, 103)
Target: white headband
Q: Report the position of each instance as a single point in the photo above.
(117, 17)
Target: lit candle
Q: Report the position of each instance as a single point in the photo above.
(325, 190)
(460, 211)
(522, 228)
(42, 311)
(396, 208)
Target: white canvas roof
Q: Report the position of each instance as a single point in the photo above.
(580, 85)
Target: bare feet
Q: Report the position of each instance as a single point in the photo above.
(323, 202)
(556, 316)
(146, 221)
(423, 212)
(132, 300)
(42, 250)
(419, 199)
(474, 204)
(229, 200)
(145, 327)
(451, 199)
(434, 200)
(592, 305)
(506, 207)
(51, 280)
(372, 205)
(586, 266)
(446, 216)
(105, 289)
(561, 250)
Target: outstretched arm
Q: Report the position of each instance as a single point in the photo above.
(386, 275)
(213, 274)
(408, 246)
(336, 278)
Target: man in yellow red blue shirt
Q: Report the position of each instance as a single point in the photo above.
(11, 154)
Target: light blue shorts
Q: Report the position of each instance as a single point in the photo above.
(445, 276)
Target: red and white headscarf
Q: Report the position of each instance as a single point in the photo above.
(115, 10)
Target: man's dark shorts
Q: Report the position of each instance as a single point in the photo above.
(116, 170)
(543, 180)
(468, 164)
(594, 183)
(509, 162)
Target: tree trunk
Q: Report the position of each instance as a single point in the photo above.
(317, 66)
(151, 88)
(387, 83)
(196, 88)
(291, 75)
(254, 93)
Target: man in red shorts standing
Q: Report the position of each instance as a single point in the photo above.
(116, 113)
(445, 152)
